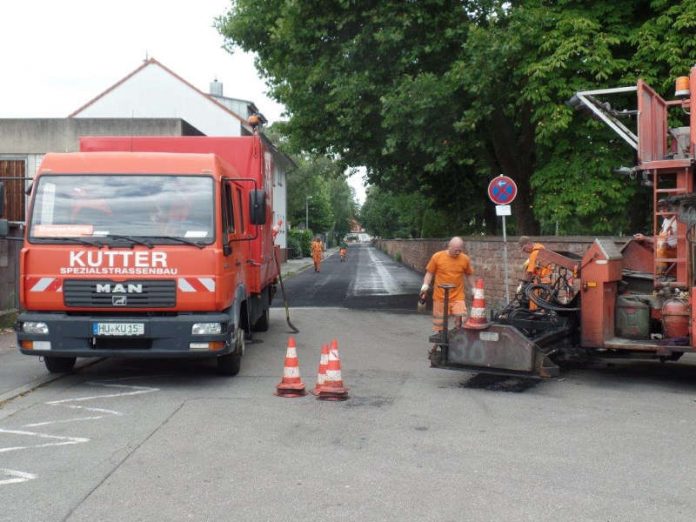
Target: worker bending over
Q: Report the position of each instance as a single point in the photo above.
(534, 271)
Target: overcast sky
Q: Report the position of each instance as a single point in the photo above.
(56, 55)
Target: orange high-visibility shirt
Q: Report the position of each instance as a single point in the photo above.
(541, 271)
(448, 269)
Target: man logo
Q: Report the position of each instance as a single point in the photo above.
(119, 288)
(119, 300)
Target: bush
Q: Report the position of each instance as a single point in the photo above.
(397, 257)
(294, 247)
(300, 239)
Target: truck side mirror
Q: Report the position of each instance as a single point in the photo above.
(257, 207)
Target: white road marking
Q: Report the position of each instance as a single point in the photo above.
(21, 476)
(64, 441)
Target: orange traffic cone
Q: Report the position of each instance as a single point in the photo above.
(291, 385)
(333, 389)
(321, 374)
(477, 317)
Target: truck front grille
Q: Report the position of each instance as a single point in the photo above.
(104, 293)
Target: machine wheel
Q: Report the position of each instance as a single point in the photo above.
(59, 364)
(231, 363)
(261, 325)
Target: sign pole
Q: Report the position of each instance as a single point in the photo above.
(505, 252)
(502, 190)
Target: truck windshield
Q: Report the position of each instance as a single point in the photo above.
(114, 207)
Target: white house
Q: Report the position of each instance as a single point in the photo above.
(154, 91)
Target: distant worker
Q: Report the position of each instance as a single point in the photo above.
(534, 271)
(342, 250)
(317, 253)
(448, 266)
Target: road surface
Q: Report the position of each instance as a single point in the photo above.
(169, 440)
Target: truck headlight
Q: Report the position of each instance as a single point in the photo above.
(34, 327)
(206, 329)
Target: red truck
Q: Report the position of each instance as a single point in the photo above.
(157, 247)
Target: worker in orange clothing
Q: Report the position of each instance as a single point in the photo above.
(533, 270)
(317, 253)
(451, 266)
(666, 244)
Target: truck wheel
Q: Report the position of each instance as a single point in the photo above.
(261, 325)
(231, 363)
(59, 364)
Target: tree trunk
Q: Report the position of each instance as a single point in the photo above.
(513, 149)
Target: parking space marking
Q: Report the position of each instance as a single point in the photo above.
(15, 476)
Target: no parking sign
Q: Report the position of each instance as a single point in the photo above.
(502, 190)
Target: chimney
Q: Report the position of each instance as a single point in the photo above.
(216, 88)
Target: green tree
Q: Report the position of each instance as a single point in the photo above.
(439, 96)
(343, 205)
(317, 189)
(387, 214)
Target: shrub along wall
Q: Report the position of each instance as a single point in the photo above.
(487, 257)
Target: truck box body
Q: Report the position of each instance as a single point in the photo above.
(247, 154)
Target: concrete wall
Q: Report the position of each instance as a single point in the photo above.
(41, 135)
(487, 257)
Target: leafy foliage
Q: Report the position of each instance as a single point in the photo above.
(386, 214)
(436, 97)
(299, 241)
(317, 190)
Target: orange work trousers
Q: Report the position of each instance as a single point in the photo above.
(457, 312)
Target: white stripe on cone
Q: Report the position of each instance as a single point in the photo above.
(291, 372)
(323, 363)
(478, 313)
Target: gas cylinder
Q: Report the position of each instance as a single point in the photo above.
(675, 318)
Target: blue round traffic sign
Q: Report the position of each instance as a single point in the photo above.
(502, 190)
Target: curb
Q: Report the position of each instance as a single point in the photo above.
(296, 271)
(41, 381)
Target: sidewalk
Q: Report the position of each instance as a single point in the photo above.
(20, 374)
(294, 266)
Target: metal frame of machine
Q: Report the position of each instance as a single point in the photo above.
(633, 301)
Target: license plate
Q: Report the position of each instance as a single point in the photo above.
(118, 329)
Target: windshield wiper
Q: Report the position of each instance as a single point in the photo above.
(74, 239)
(136, 240)
(180, 240)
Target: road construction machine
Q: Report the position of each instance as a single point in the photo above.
(632, 299)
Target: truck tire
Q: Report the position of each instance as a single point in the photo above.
(261, 324)
(59, 364)
(230, 364)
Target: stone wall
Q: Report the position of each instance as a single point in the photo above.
(487, 257)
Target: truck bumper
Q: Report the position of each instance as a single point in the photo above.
(72, 336)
